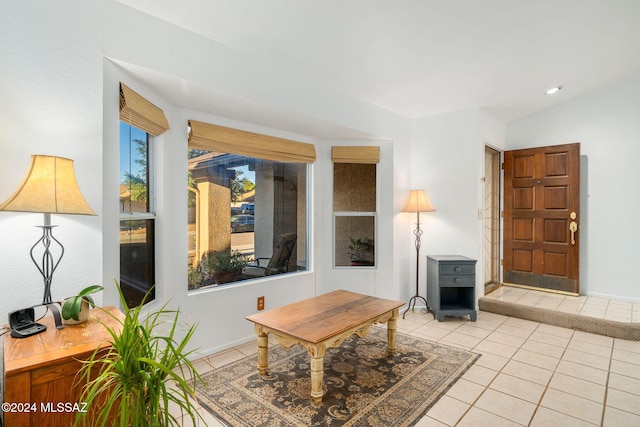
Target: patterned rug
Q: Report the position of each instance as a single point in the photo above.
(363, 386)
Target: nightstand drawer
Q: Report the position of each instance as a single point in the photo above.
(462, 281)
(449, 268)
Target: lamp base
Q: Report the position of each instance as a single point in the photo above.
(412, 307)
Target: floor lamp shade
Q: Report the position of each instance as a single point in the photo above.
(418, 201)
(50, 186)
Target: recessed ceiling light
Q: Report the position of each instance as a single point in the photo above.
(553, 90)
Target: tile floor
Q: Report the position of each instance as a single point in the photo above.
(601, 308)
(529, 374)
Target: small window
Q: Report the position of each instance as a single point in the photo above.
(354, 210)
(137, 216)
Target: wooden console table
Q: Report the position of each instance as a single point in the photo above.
(323, 322)
(40, 370)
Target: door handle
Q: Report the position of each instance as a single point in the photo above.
(573, 227)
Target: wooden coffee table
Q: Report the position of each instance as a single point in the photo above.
(323, 322)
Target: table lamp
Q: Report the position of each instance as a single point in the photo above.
(418, 201)
(49, 186)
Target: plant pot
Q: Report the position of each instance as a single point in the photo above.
(83, 316)
(225, 276)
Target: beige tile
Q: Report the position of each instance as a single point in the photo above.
(544, 348)
(517, 387)
(528, 372)
(593, 338)
(586, 359)
(429, 422)
(549, 303)
(624, 368)
(616, 418)
(512, 340)
(593, 312)
(460, 340)
(624, 383)
(474, 331)
(572, 405)
(627, 345)
(465, 391)
(594, 375)
(480, 375)
(547, 337)
(578, 387)
(485, 316)
(514, 330)
(590, 348)
(555, 331)
(449, 323)
(478, 417)
(202, 366)
(545, 417)
(429, 332)
(492, 361)
(248, 348)
(224, 358)
(624, 401)
(521, 323)
(626, 356)
(408, 325)
(506, 406)
(495, 348)
(448, 410)
(536, 359)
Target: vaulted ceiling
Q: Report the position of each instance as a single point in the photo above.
(423, 57)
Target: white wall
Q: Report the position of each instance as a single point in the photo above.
(447, 155)
(607, 125)
(58, 79)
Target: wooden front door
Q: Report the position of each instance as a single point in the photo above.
(541, 217)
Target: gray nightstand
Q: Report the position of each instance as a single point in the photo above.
(451, 285)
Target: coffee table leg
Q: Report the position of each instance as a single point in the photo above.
(317, 372)
(263, 351)
(392, 325)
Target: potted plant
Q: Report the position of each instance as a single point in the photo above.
(75, 309)
(144, 372)
(361, 251)
(225, 266)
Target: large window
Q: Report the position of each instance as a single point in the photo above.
(137, 216)
(247, 213)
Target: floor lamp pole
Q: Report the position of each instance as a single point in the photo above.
(412, 301)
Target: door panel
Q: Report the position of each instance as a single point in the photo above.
(542, 193)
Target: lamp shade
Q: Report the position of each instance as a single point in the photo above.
(418, 201)
(50, 186)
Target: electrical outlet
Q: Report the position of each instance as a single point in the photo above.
(260, 303)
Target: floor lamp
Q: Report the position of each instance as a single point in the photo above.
(417, 202)
(50, 186)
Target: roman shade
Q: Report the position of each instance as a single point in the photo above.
(210, 137)
(138, 112)
(355, 154)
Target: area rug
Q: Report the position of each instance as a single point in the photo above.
(363, 386)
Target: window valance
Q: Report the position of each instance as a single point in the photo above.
(210, 137)
(139, 112)
(355, 154)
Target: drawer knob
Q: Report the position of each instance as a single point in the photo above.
(457, 280)
(457, 269)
